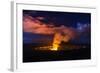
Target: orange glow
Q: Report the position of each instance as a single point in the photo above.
(55, 47)
(56, 41)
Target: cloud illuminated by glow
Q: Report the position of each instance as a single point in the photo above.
(33, 25)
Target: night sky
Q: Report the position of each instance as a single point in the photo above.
(65, 18)
(74, 20)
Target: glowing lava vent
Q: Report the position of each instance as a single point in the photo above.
(56, 42)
